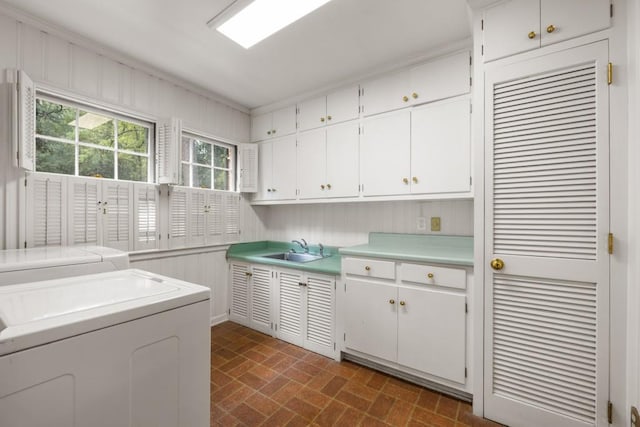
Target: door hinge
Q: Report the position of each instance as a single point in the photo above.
(465, 372)
(611, 10)
(482, 50)
(610, 243)
(276, 326)
(610, 412)
(470, 60)
(482, 24)
(470, 180)
(466, 307)
(334, 346)
(344, 338)
(159, 236)
(25, 244)
(610, 73)
(229, 311)
(25, 182)
(470, 81)
(271, 327)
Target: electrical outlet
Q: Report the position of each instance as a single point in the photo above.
(421, 223)
(435, 223)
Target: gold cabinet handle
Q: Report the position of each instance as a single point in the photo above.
(367, 268)
(414, 179)
(392, 301)
(322, 119)
(405, 98)
(322, 186)
(430, 275)
(328, 186)
(403, 303)
(497, 264)
(414, 95)
(532, 35)
(551, 28)
(328, 117)
(405, 180)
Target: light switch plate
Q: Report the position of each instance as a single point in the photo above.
(435, 223)
(421, 223)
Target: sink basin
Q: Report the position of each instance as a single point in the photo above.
(294, 257)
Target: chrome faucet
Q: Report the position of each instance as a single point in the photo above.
(304, 245)
(321, 249)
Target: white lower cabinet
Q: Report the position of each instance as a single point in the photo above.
(410, 323)
(294, 306)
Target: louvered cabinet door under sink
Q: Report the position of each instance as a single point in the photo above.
(250, 296)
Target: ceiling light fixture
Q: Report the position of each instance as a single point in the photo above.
(261, 18)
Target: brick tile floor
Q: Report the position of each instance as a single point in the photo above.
(257, 380)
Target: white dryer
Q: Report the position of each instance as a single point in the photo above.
(124, 348)
(52, 262)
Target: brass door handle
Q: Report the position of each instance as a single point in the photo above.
(551, 28)
(497, 264)
(392, 301)
(405, 180)
(402, 303)
(532, 35)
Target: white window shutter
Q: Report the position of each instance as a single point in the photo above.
(215, 218)
(248, 165)
(232, 217)
(177, 217)
(116, 202)
(24, 121)
(168, 136)
(196, 226)
(145, 217)
(85, 210)
(46, 210)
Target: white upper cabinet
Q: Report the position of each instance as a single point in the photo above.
(275, 124)
(277, 169)
(514, 26)
(336, 107)
(437, 79)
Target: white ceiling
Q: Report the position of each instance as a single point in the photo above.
(342, 40)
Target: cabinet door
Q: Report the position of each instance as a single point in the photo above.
(239, 304)
(290, 307)
(386, 93)
(261, 127)
(320, 319)
(312, 164)
(342, 105)
(284, 121)
(312, 113)
(284, 169)
(506, 28)
(343, 172)
(265, 170)
(432, 332)
(371, 318)
(385, 154)
(441, 78)
(261, 299)
(572, 18)
(441, 147)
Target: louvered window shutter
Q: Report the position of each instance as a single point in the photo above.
(196, 226)
(168, 152)
(119, 215)
(215, 218)
(25, 121)
(145, 209)
(46, 210)
(248, 165)
(177, 217)
(232, 217)
(85, 211)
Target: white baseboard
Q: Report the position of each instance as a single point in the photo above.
(216, 320)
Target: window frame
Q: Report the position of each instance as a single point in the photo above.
(110, 113)
(191, 161)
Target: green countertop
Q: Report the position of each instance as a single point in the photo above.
(456, 250)
(254, 252)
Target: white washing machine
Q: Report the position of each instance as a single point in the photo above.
(51, 262)
(123, 348)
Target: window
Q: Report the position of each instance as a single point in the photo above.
(208, 164)
(72, 139)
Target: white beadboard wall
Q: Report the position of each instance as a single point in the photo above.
(95, 74)
(347, 224)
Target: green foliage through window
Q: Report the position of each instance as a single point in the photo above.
(207, 164)
(74, 141)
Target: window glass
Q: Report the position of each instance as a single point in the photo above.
(208, 163)
(73, 140)
(221, 157)
(201, 176)
(201, 152)
(221, 179)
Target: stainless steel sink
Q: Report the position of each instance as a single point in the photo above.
(294, 257)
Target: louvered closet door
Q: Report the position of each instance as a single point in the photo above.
(239, 304)
(118, 215)
(145, 217)
(46, 209)
(85, 217)
(261, 299)
(320, 300)
(290, 307)
(547, 216)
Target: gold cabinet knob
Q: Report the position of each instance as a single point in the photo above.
(268, 132)
(268, 190)
(532, 35)
(430, 275)
(273, 131)
(273, 190)
(367, 268)
(551, 28)
(248, 274)
(322, 186)
(414, 179)
(405, 180)
(497, 264)
(322, 119)
(405, 98)
(328, 186)
(403, 303)
(392, 301)
(414, 95)
(328, 117)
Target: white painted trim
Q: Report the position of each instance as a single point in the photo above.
(211, 136)
(115, 55)
(220, 318)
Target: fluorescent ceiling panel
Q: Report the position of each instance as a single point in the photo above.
(262, 18)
